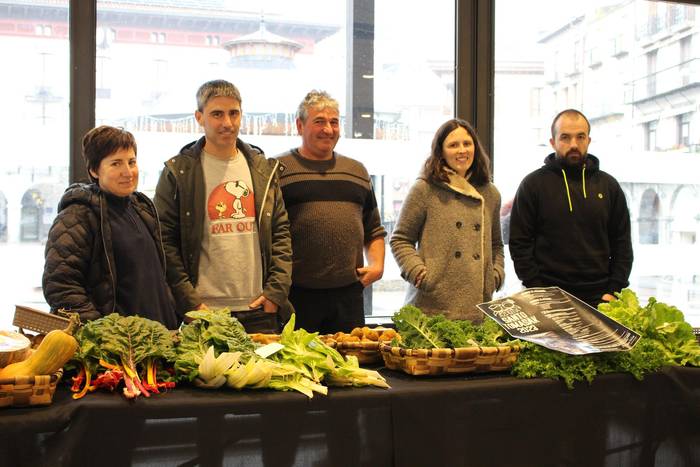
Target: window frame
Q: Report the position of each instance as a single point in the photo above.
(474, 43)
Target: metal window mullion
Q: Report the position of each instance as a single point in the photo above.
(82, 26)
(474, 66)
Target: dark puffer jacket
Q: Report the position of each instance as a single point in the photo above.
(79, 272)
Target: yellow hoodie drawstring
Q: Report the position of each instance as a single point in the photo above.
(566, 184)
(568, 195)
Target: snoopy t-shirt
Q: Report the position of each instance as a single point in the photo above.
(230, 265)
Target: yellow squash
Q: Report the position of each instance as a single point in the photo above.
(54, 351)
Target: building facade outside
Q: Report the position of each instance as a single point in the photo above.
(633, 68)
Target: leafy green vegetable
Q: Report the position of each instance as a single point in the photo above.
(419, 331)
(666, 339)
(490, 333)
(88, 355)
(222, 330)
(301, 365)
(211, 371)
(413, 326)
(451, 333)
(128, 347)
(133, 339)
(317, 362)
(660, 322)
(215, 328)
(306, 351)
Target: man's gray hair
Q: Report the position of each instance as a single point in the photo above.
(316, 99)
(216, 88)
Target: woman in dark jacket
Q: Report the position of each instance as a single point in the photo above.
(104, 252)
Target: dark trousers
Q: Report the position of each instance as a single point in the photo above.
(591, 298)
(328, 311)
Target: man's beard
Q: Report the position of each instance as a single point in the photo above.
(573, 158)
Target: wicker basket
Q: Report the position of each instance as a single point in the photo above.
(365, 351)
(22, 391)
(449, 361)
(38, 321)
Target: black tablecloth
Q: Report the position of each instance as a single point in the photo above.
(475, 420)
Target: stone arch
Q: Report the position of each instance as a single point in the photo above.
(685, 215)
(649, 213)
(38, 210)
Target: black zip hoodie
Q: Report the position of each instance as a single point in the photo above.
(570, 228)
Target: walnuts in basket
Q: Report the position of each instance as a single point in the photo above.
(366, 334)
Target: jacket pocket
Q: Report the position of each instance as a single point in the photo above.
(427, 285)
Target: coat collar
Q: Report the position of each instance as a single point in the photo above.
(461, 185)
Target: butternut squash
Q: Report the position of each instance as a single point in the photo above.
(54, 351)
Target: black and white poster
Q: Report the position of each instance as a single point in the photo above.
(555, 319)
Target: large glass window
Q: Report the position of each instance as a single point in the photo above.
(394, 91)
(34, 166)
(638, 82)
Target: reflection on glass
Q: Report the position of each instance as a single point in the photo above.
(633, 67)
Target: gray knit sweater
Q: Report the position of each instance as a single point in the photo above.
(453, 232)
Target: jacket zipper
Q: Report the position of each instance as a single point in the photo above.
(267, 189)
(109, 264)
(262, 211)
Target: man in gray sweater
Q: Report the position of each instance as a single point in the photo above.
(334, 220)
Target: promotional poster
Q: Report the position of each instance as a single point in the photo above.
(555, 319)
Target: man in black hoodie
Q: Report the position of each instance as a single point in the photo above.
(569, 225)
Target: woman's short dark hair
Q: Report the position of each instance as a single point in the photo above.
(435, 164)
(104, 141)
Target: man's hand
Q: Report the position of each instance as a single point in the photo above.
(607, 297)
(369, 274)
(268, 306)
(374, 252)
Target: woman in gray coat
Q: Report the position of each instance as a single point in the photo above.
(447, 241)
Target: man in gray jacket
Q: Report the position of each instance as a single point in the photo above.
(225, 227)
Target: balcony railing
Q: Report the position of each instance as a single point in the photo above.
(676, 17)
(663, 82)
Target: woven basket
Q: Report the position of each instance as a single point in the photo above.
(38, 321)
(22, 391)
(365, 351)
(449, 361)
